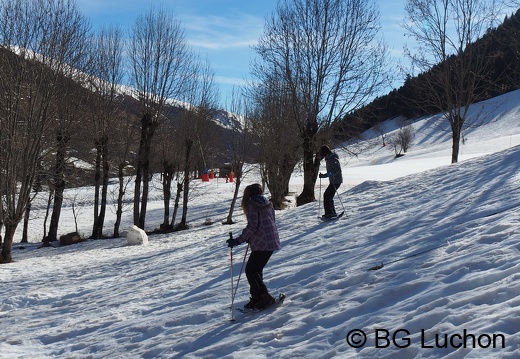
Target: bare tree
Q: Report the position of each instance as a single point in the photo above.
(201, 97)
(380, 130)
(125, 134)
(328, 54)
(402, 139)
(107, 75)
(242, 144)
(159, 60)
(453, 67)
(275, 128)
(69, 125)
(42, 41)
(169, 158)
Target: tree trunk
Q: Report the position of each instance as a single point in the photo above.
(185, 193)
(97, 185)
(137, 194)
(47, 209)
(144, 198)
(120, 194)
(56, 212)
(104, 191)
(278, 182)
(310, 169)
(182, 224)
(148, 126)
(99, 220)
(167, 194)
(59, 178)
(456, 130)
(176, 205)
(229, 219)
(25, 231)
(6, 255)
(1, 223)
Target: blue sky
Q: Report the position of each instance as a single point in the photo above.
(223, 30)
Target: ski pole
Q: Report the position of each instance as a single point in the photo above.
(319, 200)
(340, 201)
(232, 289)
(241, 269)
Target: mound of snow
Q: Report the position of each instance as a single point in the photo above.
(136, 236)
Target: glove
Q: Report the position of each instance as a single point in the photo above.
(323, 175)
(232, 242)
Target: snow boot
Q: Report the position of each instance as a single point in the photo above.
(252, 303)
(265, 301)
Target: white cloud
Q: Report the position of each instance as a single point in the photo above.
(220, 33)
(226, 80)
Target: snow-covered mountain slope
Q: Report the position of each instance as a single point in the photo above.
(425, 264)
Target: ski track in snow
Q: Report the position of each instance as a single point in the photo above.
(445, 235)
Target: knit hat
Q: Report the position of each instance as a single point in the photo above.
(324, 151)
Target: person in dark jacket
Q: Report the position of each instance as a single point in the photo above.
(262, 235)
(335, 179)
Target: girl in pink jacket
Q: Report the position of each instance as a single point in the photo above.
(262, 235)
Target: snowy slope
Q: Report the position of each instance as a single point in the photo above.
(446, 237)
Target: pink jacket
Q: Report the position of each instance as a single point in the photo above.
(261, 231)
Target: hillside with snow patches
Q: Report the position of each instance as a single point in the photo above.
(425, 264)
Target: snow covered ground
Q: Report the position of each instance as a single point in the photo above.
(442, 242)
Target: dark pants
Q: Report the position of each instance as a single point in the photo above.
(328, 198)
(254, 272)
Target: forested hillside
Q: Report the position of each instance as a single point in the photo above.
(499, 46)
